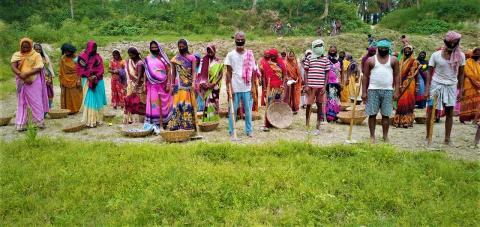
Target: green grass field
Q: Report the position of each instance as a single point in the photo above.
(76, 183)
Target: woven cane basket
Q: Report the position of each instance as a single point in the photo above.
(5, 120)
(280, 115)
(346, 116)
(176, 136)
(58, 113)
(74, 127)
(208, 126)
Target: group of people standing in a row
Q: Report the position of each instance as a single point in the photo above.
(168, 92)
(401, 82)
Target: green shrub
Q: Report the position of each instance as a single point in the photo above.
(430, 26)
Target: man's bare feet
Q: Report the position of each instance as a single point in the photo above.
(373, 140)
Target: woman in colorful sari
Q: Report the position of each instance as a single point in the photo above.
(210, 80)
(27, 65)
(48, 72)
(117, 69)
(70, 82)
(420, 101)
(294, 90)
(90, 68)
(264, 60)
(158, 84)
(470, 102)
(136, 92)
(184, 101)
(333, 87)
(275, 74)
(409, 68)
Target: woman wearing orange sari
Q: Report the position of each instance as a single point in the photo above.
(404, 115)
(471, 94)
(294, 90)
(70, 82)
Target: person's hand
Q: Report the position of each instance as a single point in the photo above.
(23, 75)
(459, 96)
(426, 96)
(79, 83)
(168, 88)
(396, 96)
(364, 98)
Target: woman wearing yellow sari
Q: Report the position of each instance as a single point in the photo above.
(70, 83)
(471, 94)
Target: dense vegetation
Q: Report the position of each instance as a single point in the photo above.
(435, 16)
(55, 182)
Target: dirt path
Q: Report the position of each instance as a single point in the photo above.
(406, 139)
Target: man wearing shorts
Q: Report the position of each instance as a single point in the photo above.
(316, 68)
(380, 86)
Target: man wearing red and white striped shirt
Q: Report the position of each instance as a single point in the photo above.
(316, 69)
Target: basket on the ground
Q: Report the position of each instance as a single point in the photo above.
(223, 113)
(74, 127)
(108, 116)
(176, 136)
(420, 116)
(280, 115)
(5, 120)
(357, 108)
(379, 119)
(208, 126)
(344, 105)
(346, 116)
(58, 113)
(256, 116)
(135, 132)
(421, 120)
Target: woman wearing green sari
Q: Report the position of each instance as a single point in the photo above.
(209, 82)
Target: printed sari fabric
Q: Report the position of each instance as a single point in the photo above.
(183, 111)
(333, 90)
(404, 115)
(212, 95)
(158, 100)
(118, 88)
(470, 98)
(31, 91)
(420, 83)
(71, 90)
(135, 100)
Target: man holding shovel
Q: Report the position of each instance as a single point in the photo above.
(240, 68)
(381, 83)
(446, 71)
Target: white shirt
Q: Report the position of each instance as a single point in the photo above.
(235, 60)
(444, 74)
(381, 76)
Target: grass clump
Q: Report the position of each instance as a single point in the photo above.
(76, 183)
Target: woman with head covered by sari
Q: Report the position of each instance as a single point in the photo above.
(28, 65)
(90, 68)
(48, 72)
(158, 84)
(70, 82)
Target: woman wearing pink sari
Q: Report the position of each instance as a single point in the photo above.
(158, 83)
(27, 65)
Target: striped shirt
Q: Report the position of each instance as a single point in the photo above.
(317, 70)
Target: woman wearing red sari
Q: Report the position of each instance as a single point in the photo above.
(117, 69)
(274, 72)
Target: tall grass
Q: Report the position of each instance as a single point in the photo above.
(434, 16)
(76, 183)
